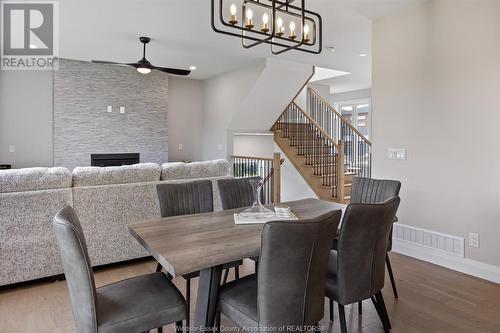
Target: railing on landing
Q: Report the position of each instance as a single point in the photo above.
(357, 148)
(320, 150)
(268, 169)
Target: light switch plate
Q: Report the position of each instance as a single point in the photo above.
(12, 148)
(397, 154)
(109, 109)
(122, 109)
(180, 146)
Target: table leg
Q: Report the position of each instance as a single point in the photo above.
(206, 302)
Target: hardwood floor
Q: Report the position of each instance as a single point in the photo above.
(431, 299)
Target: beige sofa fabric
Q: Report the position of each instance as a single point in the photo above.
(137, 173)
(195, 170)
(34, 179)
(105, 212)
(28, 249)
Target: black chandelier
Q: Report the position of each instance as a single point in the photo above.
(272, 29)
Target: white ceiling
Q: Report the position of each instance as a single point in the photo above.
(182, 36)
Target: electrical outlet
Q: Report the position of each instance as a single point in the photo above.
(122, 109)
(220, 146)
(474, 239)
(396, 154)
(12, 148)
(180, 146)
(109, 109)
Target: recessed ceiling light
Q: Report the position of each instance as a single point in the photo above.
(192, 68)
(363, 54)
(330, 48)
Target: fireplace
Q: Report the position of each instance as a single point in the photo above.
(104, 160)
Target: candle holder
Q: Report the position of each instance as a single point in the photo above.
(233, 20)
(265, 28)
(249, 24)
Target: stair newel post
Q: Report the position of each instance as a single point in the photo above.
(341, 172)
(277, 178)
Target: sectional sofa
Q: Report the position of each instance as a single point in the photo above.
(106, 201)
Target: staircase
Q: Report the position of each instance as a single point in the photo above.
(326, 149)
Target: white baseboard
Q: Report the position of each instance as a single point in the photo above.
(457, 263)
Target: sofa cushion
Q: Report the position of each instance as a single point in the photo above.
(95, 176)
(34, 179)
(181, 170)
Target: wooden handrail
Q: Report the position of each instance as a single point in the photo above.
(332, 109)
(319, 128)
(253, 158)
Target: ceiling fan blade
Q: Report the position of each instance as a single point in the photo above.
(174, 71)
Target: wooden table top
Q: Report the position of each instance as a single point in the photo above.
(189, 243)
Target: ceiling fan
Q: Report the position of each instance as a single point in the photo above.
(143, 66)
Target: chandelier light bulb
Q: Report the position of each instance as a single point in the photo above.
(265, 23)
(293, 35)
(249, 14)
(233, 19)
(280, 23)
(306, 33)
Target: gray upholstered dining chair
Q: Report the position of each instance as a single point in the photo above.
(237, 192)
(356, 271)
(289, 289)
(368, 190)
(184, 199)
(138, 304)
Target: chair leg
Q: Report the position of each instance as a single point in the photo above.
(391, 275)
(384, 316)
(256, 264)
(330, 305)
(226, 273)
(343, 325)
(237, 273)
(188, 302)
(178, 327)
(360, 308)
(159, 267)
(217, 322)
(160, 329)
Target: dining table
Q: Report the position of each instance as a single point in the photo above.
(204, 242)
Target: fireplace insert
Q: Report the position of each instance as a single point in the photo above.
(104, 160)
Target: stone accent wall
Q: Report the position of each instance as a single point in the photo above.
(82, 125)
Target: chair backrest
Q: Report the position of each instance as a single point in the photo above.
(237, 192)
(185, 198)
(362, 248)
(292, 270)
(368, 190)
(77, 269)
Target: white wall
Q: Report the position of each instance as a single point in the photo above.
(436, 81)
(248, 99)
(26, 118)
(222, 97)
(253, 144)
(185, 119)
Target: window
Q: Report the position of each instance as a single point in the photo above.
(358, 114)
